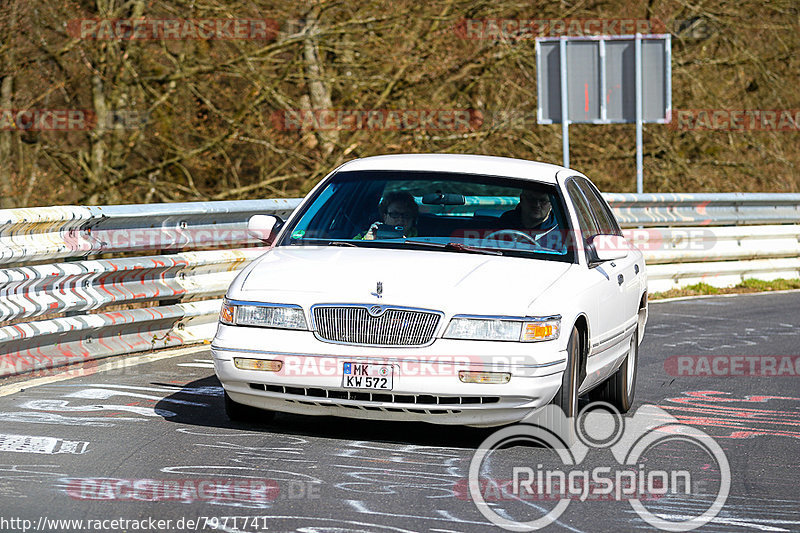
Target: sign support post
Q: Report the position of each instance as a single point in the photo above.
(562, 56)
(604, 79)
(639, 162)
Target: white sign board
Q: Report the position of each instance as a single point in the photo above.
(604, 79)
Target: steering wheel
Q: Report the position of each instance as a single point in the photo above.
(511, 233)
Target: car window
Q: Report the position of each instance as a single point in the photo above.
(589, 227)
(388, 208)
(602, 213)
(609, 212)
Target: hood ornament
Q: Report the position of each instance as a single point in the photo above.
(378, 290)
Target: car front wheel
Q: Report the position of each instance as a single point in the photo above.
(619, 389)
(567, 396)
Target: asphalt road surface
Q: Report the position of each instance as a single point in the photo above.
(148, 447)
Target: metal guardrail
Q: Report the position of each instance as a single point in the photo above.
(58, 313)
(718, 256)
(715, 209)
(46, 233)
(58, 283)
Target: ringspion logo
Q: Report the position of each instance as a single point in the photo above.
(643, 471)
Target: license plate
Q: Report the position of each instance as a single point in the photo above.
(367, 376)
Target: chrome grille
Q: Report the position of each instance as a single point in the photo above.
(393, 327)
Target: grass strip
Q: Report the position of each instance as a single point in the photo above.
(745, 287)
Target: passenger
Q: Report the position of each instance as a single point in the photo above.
(397, 209)
(533, 212)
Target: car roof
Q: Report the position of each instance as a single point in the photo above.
(459, 163)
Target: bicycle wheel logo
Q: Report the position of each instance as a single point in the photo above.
(638, 445)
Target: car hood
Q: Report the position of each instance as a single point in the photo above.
(457, 283)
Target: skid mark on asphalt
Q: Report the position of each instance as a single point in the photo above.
(244, 472)
(425, 470)
(105, 394)
(699, 338)
(27, 472)
(744, 512)
(698, 317)
(11, 476)
(213, 433)
(737, 418)
(31, 417)
(46, 411)
(199, 363)
(279, 478)
(250, 454)
(64, 406)
(442, 515)
(183, 389)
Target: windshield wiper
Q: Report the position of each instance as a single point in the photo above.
(455, 247)
(322, 242)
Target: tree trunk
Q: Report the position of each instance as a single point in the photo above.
(318, 91)
(7, 191)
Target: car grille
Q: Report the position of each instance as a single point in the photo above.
(393, 327)
(410, 403)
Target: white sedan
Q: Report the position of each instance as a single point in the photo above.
(453, 289)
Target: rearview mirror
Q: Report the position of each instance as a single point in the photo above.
(437, 198)
(264, 227)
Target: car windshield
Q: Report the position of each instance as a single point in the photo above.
(436, 210)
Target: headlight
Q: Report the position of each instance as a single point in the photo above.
(262, 315)
(519, 329)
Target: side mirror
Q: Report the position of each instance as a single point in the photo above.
(602, 248)
(264, 227)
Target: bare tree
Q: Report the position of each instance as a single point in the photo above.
(190, 119)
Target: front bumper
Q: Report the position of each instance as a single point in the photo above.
(426, 385)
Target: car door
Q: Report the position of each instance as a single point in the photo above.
(629, 267)
(607, 331)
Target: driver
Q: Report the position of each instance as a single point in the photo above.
(397, 208)
(533, 212)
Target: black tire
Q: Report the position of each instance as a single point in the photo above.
(619, 389)
(567, 396)
(238, 412)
